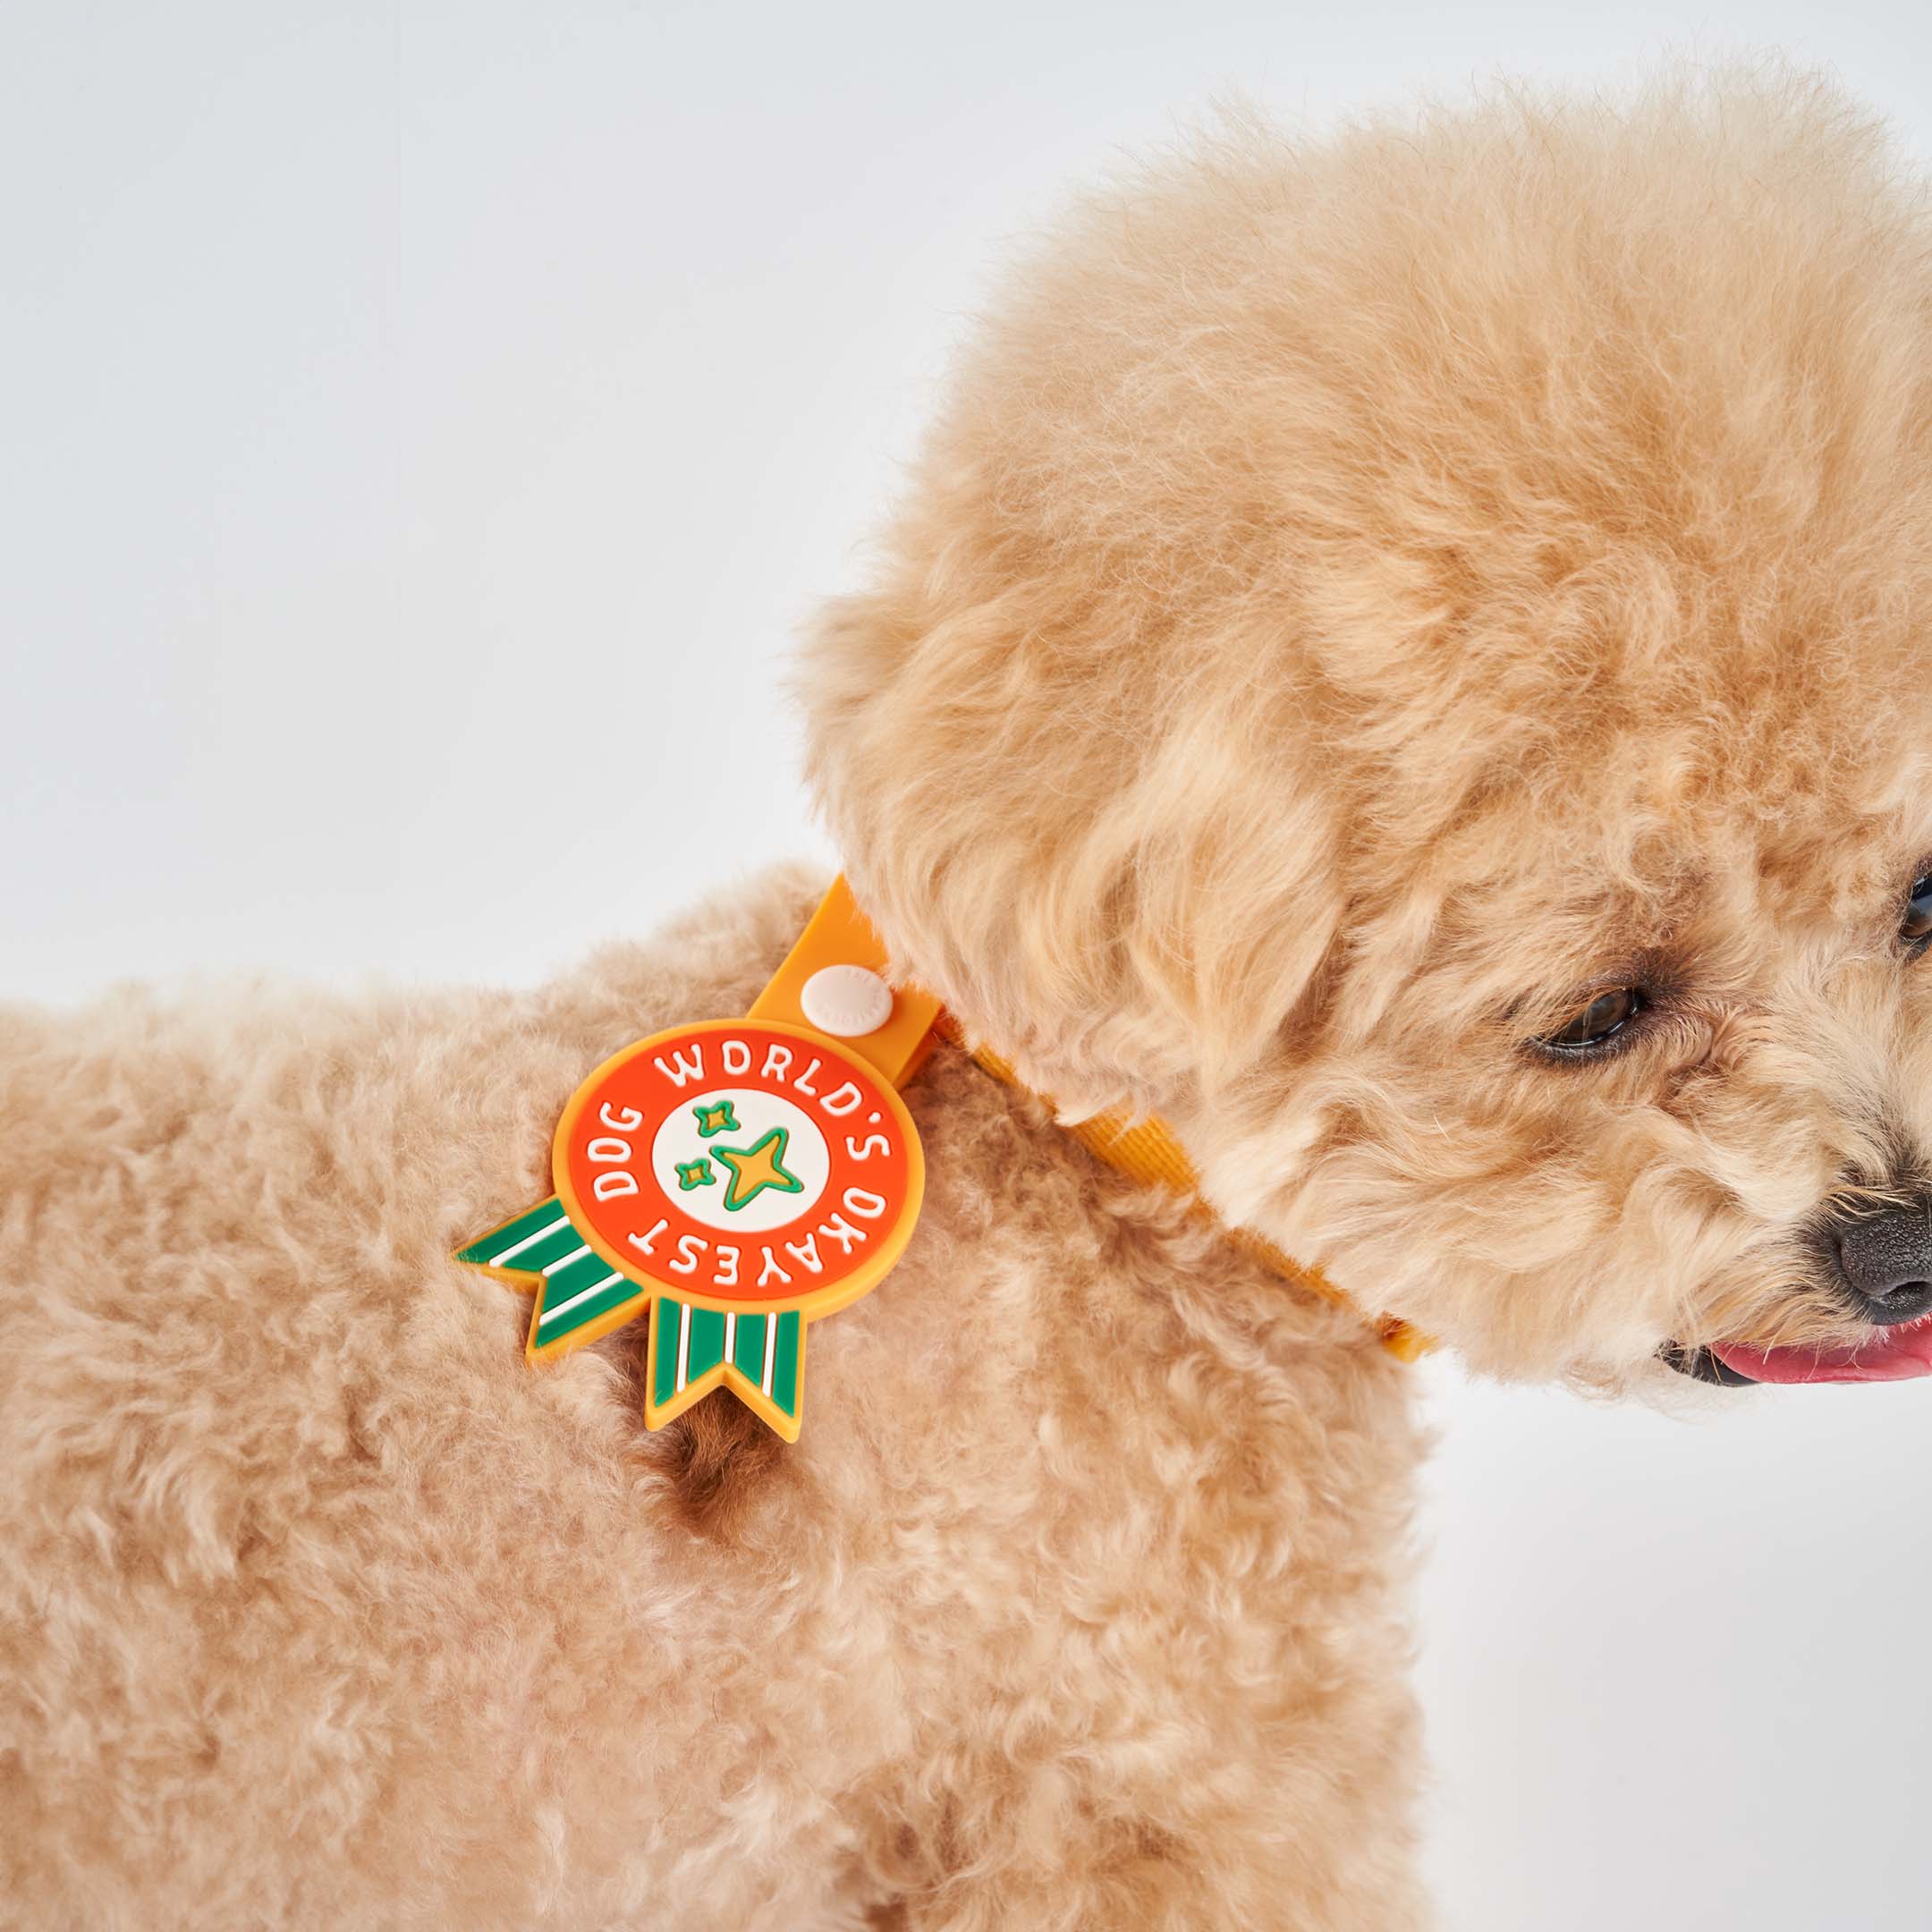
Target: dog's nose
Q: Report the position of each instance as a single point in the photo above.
(1886, 1260)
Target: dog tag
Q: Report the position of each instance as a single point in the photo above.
(731, 1181)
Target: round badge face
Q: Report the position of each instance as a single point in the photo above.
(742, 1164)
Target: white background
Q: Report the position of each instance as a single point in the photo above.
(416, 419)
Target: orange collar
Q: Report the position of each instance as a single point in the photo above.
(1146, 1151)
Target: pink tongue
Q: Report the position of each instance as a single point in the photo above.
(1892, 1355)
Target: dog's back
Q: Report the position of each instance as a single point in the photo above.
(322, 1609)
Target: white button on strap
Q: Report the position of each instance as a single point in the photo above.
(847, 1002)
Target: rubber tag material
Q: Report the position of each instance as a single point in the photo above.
(731, 1181)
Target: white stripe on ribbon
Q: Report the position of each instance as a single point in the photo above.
(731, 1339)
(529, 1240)
(771, 1348)
(684, 1343)
(564, 1261)
(583, 1294)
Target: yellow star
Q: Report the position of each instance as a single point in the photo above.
(757, 1167)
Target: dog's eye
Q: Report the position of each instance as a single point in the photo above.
(1916, 928)
(1607, 1014)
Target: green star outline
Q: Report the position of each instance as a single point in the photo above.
(731, 1156)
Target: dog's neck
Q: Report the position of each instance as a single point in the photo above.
(1148, 1152)
(841, 940)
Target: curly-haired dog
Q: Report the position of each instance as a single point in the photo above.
(1405, 655)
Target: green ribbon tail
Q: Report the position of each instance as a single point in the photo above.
(764, 1349)
(575, 1285)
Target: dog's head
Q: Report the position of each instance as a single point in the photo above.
(1409, 654)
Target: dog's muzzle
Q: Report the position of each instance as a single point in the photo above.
(1882, 1264)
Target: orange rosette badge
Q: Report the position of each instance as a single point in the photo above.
(737, 1179)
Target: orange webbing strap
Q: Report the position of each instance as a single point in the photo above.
(840, 934)
(1147, 1151)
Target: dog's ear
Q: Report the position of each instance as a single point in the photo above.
(1093, 846)
(1070, 739)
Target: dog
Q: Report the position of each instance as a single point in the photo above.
(1404, 657)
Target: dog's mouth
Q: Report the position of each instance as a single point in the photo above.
(1888, 1355)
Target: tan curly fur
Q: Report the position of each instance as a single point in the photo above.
(1366, 596)
(1363, 595)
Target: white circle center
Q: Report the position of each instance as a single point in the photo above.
(771, 1142)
